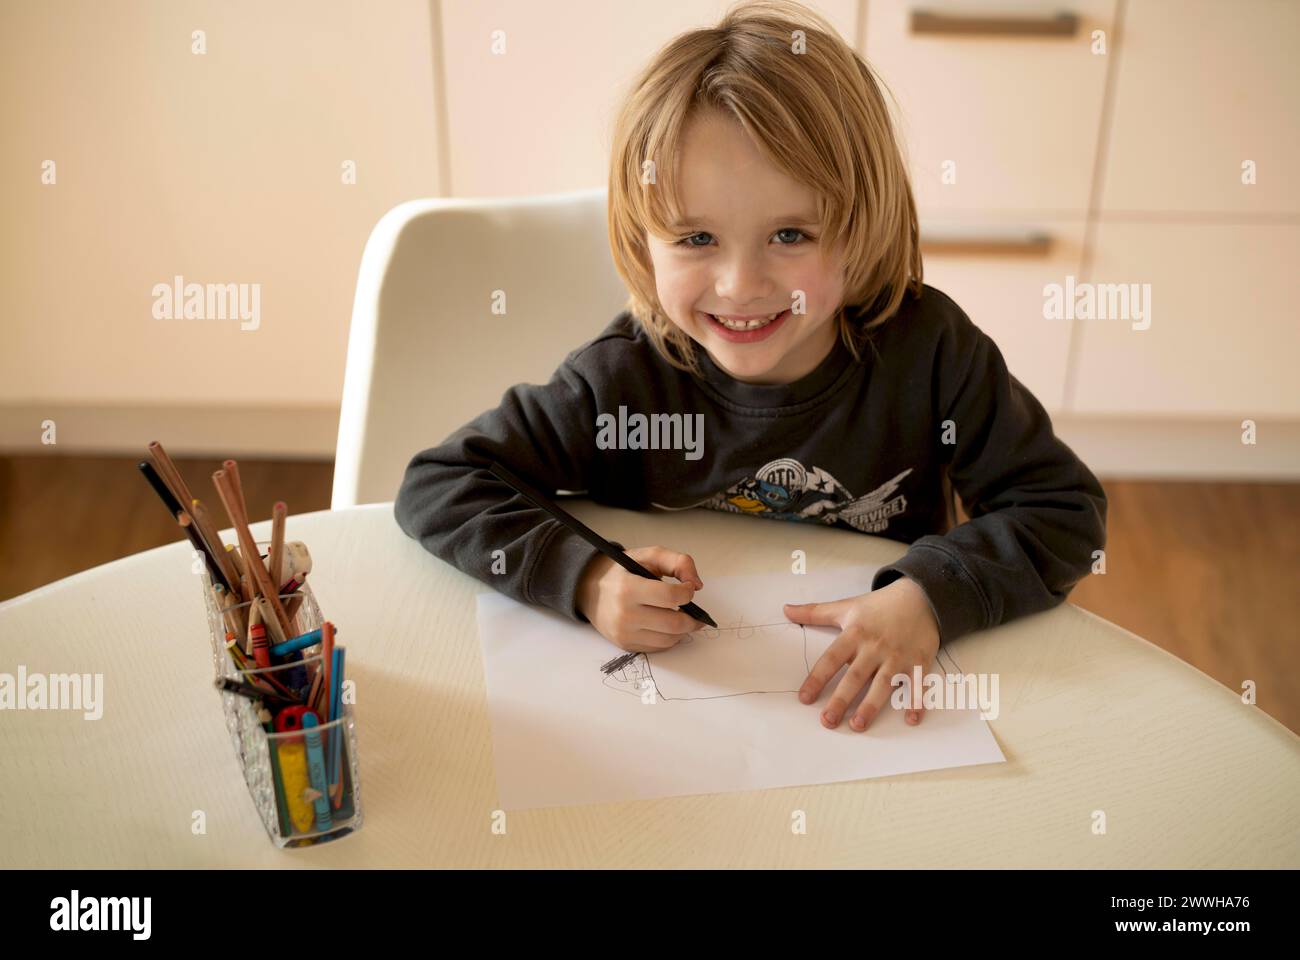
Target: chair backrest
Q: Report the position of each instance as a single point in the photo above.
(426, 351)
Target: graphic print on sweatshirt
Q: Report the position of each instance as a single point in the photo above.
(785, 489)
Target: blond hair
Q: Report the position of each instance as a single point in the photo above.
(814, 109)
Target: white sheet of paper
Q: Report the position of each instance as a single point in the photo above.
(723, 711)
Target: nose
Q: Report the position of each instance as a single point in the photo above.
(742, 281)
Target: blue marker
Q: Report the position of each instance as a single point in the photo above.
(316, 769)
(297, 643)
(336, 711)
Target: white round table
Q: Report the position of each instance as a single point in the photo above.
(1092, 718)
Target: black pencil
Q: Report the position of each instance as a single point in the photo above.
(231, 685)
(591, 536)
(215, 572)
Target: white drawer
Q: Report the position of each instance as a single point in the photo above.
(1203, 86)
(1223, 338)
(1017, 114)
(1003, 295)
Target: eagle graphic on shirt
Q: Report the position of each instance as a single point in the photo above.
(785, 489)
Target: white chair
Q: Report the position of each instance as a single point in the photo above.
(426, 352)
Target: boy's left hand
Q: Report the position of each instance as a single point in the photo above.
(885, 632)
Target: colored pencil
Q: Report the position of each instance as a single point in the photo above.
(252, 558)
(278, 513)
(167, 469)
(160, 487)
(201, 516)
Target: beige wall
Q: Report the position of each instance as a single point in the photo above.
(538, 119)
(224, 168)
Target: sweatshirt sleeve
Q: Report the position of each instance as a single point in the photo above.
(461, 513)
(1036, 511)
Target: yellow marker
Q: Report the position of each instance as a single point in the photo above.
(293, 775)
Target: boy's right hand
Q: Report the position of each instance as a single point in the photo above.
(636, 614)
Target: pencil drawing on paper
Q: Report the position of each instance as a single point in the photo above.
(735, 659)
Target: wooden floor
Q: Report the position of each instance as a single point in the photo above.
(1205, 570)
(65, 514)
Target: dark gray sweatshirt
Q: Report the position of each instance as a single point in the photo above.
(861, 444)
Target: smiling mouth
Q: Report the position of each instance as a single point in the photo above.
(742, 325)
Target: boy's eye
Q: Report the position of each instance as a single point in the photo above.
(792, 241)
(686, 241)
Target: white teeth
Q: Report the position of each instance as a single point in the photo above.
(747, 324)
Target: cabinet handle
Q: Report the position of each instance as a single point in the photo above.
(1023, 243)
(995, 25)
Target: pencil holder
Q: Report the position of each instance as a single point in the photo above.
(304, 781)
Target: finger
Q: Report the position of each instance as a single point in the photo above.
(659, 593)
(912, 703)
(877, 696)
(815, 614)
(827, 665)
(668, 563)
(685, 571)
(909, 692)
(649, 641)
(857, 676)
(664, 562)
(916, 707)
(666, 621)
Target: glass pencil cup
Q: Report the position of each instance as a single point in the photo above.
(304, 781)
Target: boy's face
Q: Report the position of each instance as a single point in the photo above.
(745, 250)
